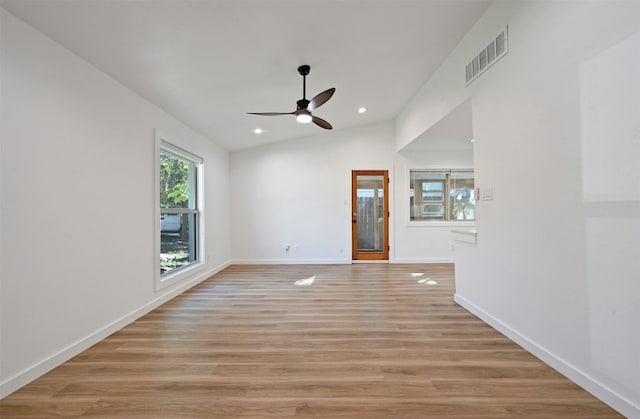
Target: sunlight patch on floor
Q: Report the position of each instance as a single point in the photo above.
(305, 281)
(427, 281)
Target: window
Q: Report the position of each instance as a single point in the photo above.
(442, 195)
(179, 209)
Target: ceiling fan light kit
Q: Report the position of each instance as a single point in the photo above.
(304, 106)
(304, 117)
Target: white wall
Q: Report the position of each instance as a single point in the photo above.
(299, 193)
(557, 137)
(77, 213)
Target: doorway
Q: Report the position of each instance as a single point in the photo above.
(370, 215)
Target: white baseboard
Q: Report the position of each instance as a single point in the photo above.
(607, 395)
(334, 261)
(291, 261)
(423, 260)
(24, 377)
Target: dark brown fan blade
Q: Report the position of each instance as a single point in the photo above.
(320, 99)
(321, 123)
(271, 113)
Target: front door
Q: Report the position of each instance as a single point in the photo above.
(370, 214)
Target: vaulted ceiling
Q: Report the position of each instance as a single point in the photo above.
(208, 63)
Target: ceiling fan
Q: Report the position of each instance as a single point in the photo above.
(305, 107)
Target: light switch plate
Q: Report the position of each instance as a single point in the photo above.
(486, 194)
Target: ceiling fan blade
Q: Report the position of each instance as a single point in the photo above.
(271, 113)
(321, 123)
(320, 99)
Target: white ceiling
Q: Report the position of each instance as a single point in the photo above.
(209, 62)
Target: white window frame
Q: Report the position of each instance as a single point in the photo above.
(434, 223)
(165, 143)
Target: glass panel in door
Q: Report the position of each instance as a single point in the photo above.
(370, 215)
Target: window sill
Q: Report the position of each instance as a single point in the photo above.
(178, 275)
(464, 235)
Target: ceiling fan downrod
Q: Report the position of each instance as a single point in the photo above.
(303, 70)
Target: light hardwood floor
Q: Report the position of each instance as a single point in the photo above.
(363, 341)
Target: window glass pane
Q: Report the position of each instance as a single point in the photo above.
(370, 215)
(177, 182)
(179, 216)
(433, 212)
(432, 196)
(461, 176)
(432, 186)
(177, 241)
(462, 199)
(417, 175)
(429, 203)
(446, 195)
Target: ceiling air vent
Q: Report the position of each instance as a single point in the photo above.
(496, 49)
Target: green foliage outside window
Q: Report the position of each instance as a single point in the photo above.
(174, 181)
(178, 212)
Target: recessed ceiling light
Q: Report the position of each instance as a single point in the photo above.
(362, 109)
(471, 140)
(258, 131)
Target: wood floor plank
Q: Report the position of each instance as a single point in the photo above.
(362, 341)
